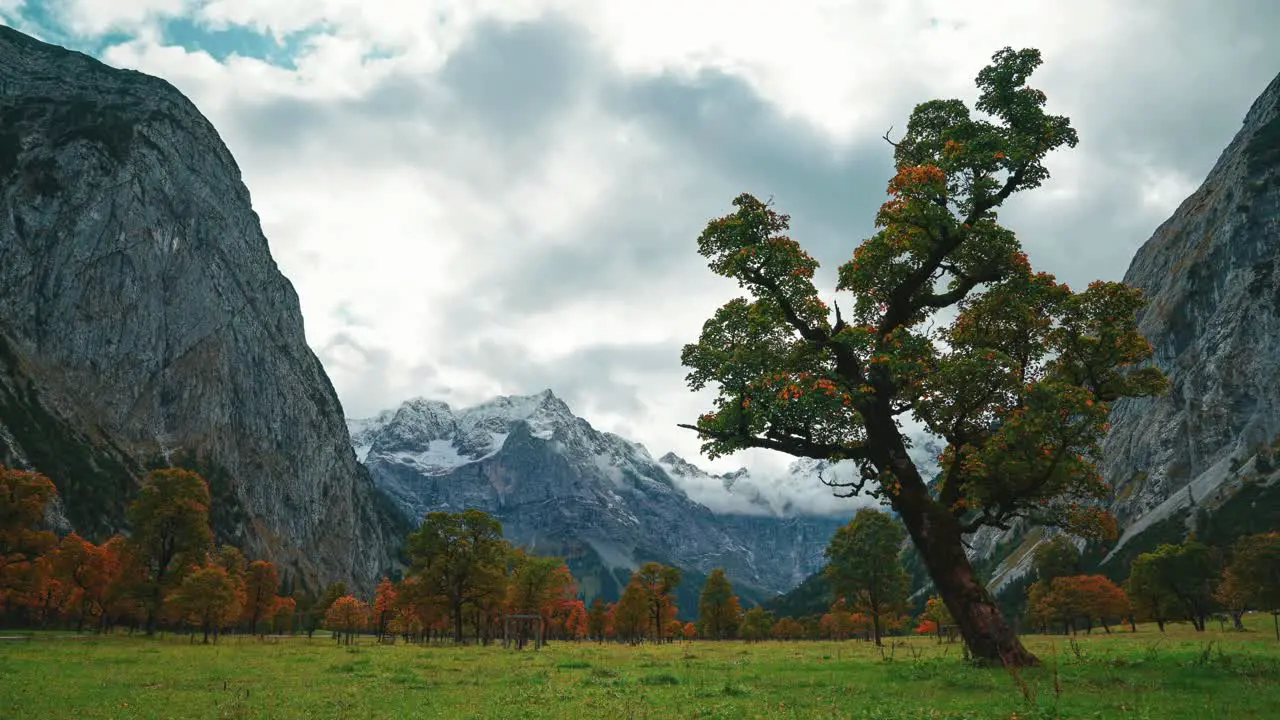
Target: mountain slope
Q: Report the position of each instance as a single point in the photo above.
(144, 322)
(565, 488)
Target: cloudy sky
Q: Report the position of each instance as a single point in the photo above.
(480, 197)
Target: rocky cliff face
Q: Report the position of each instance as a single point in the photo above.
(1211, 274)
(143, 322)
(564, 488)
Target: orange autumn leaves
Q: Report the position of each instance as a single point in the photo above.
(1073, 599)
(165, 571)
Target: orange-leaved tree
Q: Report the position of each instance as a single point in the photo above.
(89, 571)
(207, 598)
(936, 611)
(1018, 384)
(597, 619)
(384, 606)
(23, 499)
(261, 582)
(659, 584)
(630, 615)
(787, 628)
(345, 617)
(837, 623)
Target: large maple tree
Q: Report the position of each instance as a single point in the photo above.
(1018, 383)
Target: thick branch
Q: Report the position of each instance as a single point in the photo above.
(998, 521)
(847, 364)
(791, 445)
(901, 305)
(958, 293)
(1010, 510)
(1010, 184)
(807, 331)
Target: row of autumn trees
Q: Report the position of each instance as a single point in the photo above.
(167, 571)
(1184, 582)
(463, 580)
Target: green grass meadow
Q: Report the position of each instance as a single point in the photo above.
(1181, 674)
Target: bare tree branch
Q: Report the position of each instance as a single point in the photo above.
(853, 488)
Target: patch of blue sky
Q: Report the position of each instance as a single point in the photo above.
(225, 42)
(37, 17)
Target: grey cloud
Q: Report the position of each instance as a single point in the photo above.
(716, 127)
(517, 79)
(719, 130)
(373, 388)
(502, 91)
(1179, 91)
(591, 377)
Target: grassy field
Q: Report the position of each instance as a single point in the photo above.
(1182, 674)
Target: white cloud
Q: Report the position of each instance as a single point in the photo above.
(98, 17)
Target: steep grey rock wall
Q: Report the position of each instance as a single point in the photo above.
(137, 285)
(1211, 274)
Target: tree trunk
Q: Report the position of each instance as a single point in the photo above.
(1236, 621)
(936, 534)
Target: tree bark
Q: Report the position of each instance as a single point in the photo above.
(457, 622)
(936, 534)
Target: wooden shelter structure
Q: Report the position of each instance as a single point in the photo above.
(516, 631)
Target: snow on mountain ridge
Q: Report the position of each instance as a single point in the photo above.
(436, 439)
(453, 438)
(561, 486)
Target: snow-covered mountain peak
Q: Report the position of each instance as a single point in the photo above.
(434, 437)
(676, 465)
